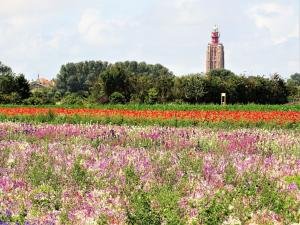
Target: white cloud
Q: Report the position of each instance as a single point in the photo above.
(181, 12)
(92, 28)
(294, 65)
(13, 7)
(98, 31)
(27, 43)
(23, 30)
(188, 11)
(281, 20)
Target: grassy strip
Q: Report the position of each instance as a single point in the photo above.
(119, 120)
(172, 106)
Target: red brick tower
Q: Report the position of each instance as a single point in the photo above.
(215, 52)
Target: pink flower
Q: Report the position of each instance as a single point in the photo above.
(292, 187)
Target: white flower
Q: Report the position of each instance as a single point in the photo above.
(230, 207)
(232, 221)
(10, 160)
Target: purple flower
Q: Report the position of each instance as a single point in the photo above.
(292, 187)
(3, 223)
(8, 213)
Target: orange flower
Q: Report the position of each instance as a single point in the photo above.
(279, 117)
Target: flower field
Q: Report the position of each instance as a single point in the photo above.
(107, 174)
(136, 116)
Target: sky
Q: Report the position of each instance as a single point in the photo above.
(260, 37)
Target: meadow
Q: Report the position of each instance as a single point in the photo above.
(77, 165)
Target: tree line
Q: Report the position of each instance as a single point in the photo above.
(123, 82)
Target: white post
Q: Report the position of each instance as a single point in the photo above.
(223, 98)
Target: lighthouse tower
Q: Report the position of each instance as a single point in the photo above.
(215, 52)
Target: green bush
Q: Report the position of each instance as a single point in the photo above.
(34, 101)
(41, 97)
(230, 175)
(140, 211)
(216, 209)
(117, 98)
(168, 199)
(45, 197)
(132, 179)
(190, 164)
(40, 171)
(152, 96)
(135, 99)
(72, 99)
(80, 175)
(12, 98)
(4, 156)
(102, 220)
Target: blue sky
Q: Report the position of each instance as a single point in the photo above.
(260, 37)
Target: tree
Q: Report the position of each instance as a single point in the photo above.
(130, 78)
(97, 91)
(79, 77)
(22, 86)
(194, 88)
(221, 81)
(13, 88)
(140, 84)
(293, 85)
(4, 69)
(244, 90)
(279, 91)
(7, 83)
(295, 78)
(116, 79)
(164, 84)
(221, 73)
(177, 88)
(214, 86)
